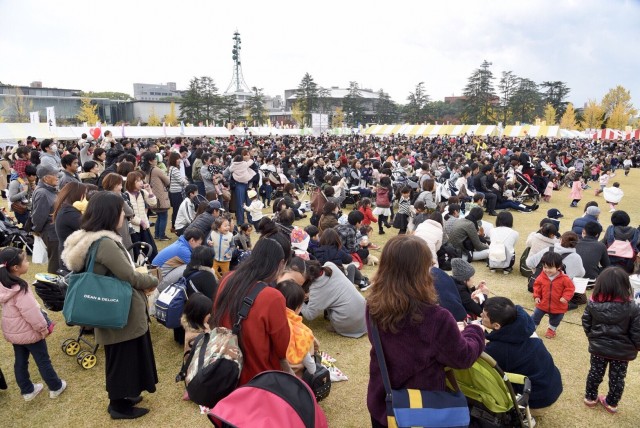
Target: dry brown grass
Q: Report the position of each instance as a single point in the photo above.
(84, 402)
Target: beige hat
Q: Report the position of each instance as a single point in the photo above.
(252, 194)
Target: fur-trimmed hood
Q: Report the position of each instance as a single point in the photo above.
(76, 247)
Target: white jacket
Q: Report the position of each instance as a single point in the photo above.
(139, 208)
(431, 231)
(255, 209)
(509, 238)
(186, 214)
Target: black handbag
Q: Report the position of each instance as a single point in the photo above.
(320, 381)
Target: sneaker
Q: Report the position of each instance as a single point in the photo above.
(365, 288)
(572, 306)
(612, 210)
(611, 409)
(506, 271)
(492, 270)
(37, 389)
(550, 334)
(164, 238)
(381, 232)
(590, 403)
(55, 394)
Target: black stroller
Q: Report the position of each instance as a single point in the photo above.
(525, 189)
(52, 289)
(12, 236)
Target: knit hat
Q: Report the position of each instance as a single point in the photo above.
(299, 239)
(252, 194)
(461, 270)
(594, 211)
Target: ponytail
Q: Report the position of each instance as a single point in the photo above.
(10, 257)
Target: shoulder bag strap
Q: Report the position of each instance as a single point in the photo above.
(247, 303)
(377, 344)
(91, 258)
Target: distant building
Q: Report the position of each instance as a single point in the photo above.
(335, 97)
(154, 92)
(66, 103)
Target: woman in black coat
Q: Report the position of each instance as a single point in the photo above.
(66, 217)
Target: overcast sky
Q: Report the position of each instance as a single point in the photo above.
(107, 46)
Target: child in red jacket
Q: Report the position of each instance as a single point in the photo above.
(552, 291)
(364, 206)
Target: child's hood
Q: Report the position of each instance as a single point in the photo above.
(518, 331)
(7, 294)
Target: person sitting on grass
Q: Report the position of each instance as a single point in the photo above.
(512, 345)
(187, 210)
(472, 297)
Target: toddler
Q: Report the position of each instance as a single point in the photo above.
(301, 340)
(195, 321)
(472, 296)
(25, 326)
(314, 237)
(384, 193)
(552, 291)
(613, 195)
(364, 206)
(221, 239)
(576, 190)
(255, 207)
(611, 322)
(401, 220)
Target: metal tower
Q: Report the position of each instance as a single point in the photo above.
(237, 85)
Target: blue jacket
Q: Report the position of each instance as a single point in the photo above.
(176, 254)
(579, 223)
(448, 295)
(516, 351)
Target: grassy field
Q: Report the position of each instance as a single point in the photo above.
(84, 402)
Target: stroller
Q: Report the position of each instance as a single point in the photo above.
(52, 289)
(12, 236)
(490, 395)
(525, 189)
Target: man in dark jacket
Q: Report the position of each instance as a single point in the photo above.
(483, 183)
(593, 253)
(591, 215)
(44, 197)
(513, 348)
(69, 170)
(204, 221)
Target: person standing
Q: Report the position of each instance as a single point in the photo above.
(177, 183)
(44, 198)
(130, 366)
(242, 174)
(158, 180)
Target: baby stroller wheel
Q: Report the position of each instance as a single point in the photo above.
(70, 347)
(86, 359)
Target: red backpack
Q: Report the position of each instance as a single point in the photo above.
(271, 399)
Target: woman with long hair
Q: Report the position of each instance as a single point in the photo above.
(129, 362)
(67, 210)
(419, 337)
(177, 183)
(158, 180)
(139, 195)
(265, 331)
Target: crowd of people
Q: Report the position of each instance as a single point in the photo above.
(438, 193)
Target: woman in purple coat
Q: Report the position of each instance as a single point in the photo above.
(419, 338)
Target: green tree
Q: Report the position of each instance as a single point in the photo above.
(618, 101)
(416, 110)
(550, 114)
(386, 110)
(307, 96)
(555, 93)
(191, 104)
(444, 112)
(568, 120)
(479, 95)
(153, 119)
(109, 95)
(88, 112)
(230, 110)
(507, 87)
(352, 105)
(209, 99)
(256, 107)
(526, 102)
(592, 115)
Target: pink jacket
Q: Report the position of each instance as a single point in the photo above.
(22, 321)
(576, 190)
(242, 171)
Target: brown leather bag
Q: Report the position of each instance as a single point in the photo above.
(19, 207)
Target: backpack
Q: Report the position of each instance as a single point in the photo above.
(270, 399)
(171, 301)
(319, 381)
(538, 270)
(497, 252)
(212, 368)
(524, 269)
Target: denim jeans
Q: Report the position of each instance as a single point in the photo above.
(554, 319)
(41, 356)
(22, 218)
(201, 190)
(161, 224)
(241, 199)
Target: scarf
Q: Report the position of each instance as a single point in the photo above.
(300, 339)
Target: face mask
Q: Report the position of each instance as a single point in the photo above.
(54, 147)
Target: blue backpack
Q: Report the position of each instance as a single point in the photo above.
(171, 301)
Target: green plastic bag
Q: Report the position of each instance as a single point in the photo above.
(96, 300)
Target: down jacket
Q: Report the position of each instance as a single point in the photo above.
(22, 321)
(112, 259)
(613, 329)
(550, 291)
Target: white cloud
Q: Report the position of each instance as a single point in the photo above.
(391, 45)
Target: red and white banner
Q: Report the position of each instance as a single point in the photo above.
(633, 134)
